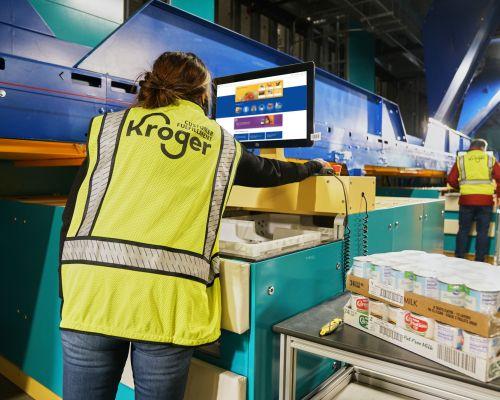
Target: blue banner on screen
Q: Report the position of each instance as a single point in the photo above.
(264, 109)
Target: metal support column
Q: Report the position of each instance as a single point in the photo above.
(273, 33)
(255, 25)
(308, 56)
(288, 362)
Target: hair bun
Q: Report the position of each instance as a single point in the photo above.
(174, 76)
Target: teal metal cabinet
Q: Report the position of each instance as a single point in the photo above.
(411, 226)
(433, 227)
(380, 231)
(280, 288)
(407, 227)
(29, 311)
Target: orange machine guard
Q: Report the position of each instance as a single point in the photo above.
(36, 153)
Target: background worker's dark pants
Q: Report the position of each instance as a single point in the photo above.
(467, 215)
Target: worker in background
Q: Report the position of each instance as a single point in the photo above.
(475, 173)
(140, 253)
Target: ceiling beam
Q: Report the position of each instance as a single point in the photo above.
(387, 37)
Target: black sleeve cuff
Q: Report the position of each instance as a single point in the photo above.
(313, 167)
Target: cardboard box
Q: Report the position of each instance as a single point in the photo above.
(470, 321)
(235, 295)
(205, 381)
(482, 369)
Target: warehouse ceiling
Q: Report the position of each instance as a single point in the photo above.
(396, 24)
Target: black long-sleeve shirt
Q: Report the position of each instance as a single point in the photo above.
(254, 171)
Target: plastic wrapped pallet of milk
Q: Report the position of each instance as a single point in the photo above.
(463, 283)
(239, 238)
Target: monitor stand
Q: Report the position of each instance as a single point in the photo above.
(276, 154)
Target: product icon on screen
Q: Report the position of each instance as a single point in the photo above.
(245, 109)
(268, 120)
(262, 91)
(261, 107)
(278, 106)
(249, 96)
(253, 108)
(237, 110)
(270, 106)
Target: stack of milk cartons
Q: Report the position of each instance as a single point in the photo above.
(394, 277)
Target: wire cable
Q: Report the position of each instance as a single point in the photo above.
(346, 243)
(364, 228)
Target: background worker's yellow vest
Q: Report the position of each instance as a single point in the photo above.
(475, 168)
(140, 260)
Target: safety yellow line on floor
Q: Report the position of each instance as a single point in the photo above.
(24, 382)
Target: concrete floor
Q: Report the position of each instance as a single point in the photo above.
(9, 391)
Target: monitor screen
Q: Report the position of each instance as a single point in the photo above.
(268, 108)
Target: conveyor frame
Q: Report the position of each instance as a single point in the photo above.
(383, 374)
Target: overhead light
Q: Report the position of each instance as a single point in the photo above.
(319, 21)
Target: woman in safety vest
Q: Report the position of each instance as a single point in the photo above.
(139, 250)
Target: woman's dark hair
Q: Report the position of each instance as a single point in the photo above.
(175, 75)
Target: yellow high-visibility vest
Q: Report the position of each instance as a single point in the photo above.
(140, 260)
(475, 169)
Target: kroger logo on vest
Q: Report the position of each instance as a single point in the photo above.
(172, 139)
(478, 158)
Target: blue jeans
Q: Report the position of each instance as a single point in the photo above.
(466, 216)
(93, 366)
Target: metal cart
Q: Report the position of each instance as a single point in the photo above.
(367, 367)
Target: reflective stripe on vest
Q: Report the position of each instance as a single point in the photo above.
(108, 252)
(220, 185)
(108, 140)
(461, 167)
(476, 182)
(491, 164)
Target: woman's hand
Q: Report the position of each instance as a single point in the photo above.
(327, 168)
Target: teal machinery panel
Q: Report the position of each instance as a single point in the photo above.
(29, 252)
(411, 226)
(281, 287)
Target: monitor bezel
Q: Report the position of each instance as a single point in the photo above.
(307, 67)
